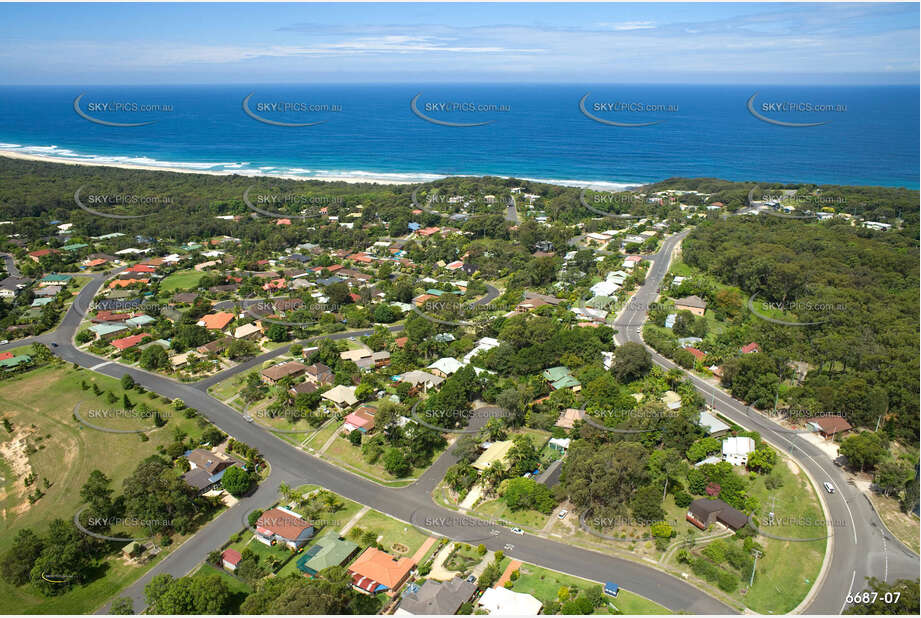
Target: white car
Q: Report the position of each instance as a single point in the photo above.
(563, 514)
(4, 342)
(517, 531)
(829, 488)
(248, 418)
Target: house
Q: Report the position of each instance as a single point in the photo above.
(697, 354)
(230, 558)
(417, 377)
(559, 444)
(495, 452)
(15, 361)
(180, 360)
(318, 373)
(361, 419)
(107, 331)
(214, 347)
(206, 469)
(49, 291)
(704, 511)
(436, 598)
(444, 367)
(250, 331)
(568, 418)
(128, 342)
(355, 355)
(303, 388)
(736, 450)
(694, 304)
(559, 377)
(672, 400)
(376, 571)
(829, 426)
(328, 551)
(139, 320)
(279, 525)
(380, 359)
(341, 396)
(714, 427)
(276, 373)
(504, 602)
(750, 348)
(38, 255)
(11, 286)
(185, 297)
(216, 321)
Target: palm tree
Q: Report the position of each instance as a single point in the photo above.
(285, 490)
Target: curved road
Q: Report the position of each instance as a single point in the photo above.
(410, 504)
(863, 547)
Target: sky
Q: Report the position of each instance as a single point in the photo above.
(826, 43)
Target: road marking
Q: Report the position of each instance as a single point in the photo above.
(886, 556)
(95, 367)
(849, 588)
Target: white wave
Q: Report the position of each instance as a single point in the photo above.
(243, 168)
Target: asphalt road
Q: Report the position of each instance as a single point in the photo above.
(862, 547)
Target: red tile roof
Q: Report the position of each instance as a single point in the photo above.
(217, 321)
(831, 424)
(751, 347)
(128, 342)
(285, 525)
(231, 556)
(696, 353)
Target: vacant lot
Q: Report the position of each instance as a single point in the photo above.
(180, 280)
(47, 441)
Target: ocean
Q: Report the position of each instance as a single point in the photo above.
(867, 136)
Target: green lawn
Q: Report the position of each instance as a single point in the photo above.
(497, 510)
(545, 584)
(180, 280)
(777, 587)
(39, 404)
(393, 531)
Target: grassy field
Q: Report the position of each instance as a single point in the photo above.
(180, 280)
(40, 404)
(545, 584)
(904, 526)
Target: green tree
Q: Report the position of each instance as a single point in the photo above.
(863, 450)
(396, 463)
(122, 606)
(236, 481)
(631, 362)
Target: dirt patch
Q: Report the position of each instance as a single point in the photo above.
(399, 548)
(792, 465)
(13, 452)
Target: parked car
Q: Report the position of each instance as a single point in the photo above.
(517, 531)
(563, 514)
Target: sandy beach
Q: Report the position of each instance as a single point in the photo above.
(353, 177)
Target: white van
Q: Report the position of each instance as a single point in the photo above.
(829, 488)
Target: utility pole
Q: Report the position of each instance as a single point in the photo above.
(877, 423)
(757, 555)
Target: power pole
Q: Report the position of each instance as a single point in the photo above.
(757, 555)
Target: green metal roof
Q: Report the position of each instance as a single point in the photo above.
(326, 552)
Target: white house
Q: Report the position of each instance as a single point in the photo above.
(444, 367)
(505, 602)
(737, 449)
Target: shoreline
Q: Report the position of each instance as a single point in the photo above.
(356, 177)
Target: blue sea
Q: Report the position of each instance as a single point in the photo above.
(867, 135)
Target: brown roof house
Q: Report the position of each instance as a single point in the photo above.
(318, 373)
(694, 304)
(279, 525)
(829, 426)
(703, 512)
(276, 373)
